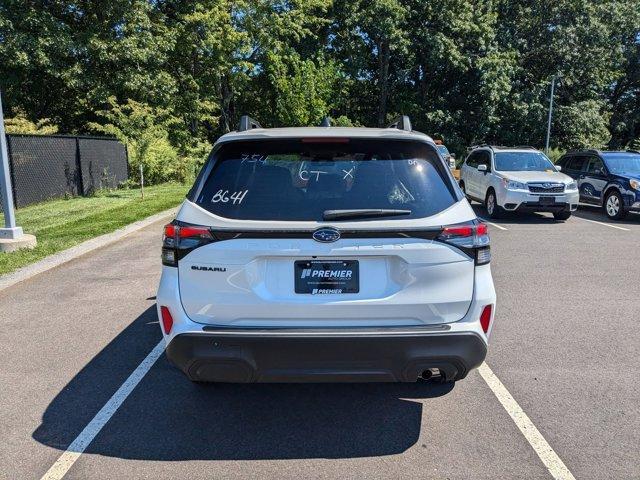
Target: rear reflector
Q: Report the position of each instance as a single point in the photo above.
(167, 320)
(485, 318)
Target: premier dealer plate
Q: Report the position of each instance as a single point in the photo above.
(324, 277)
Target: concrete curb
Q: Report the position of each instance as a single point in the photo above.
(64, 256)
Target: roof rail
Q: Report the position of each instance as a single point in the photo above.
(326, 122)
(583, 150)
(502, 147)
(632, 151)
(401, 123)
(248, 123)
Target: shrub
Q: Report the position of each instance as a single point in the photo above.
(555, 154)
(21, 124)
(145, 131)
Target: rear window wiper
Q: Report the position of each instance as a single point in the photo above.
(363, 213)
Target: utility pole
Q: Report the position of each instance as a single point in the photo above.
(553, 86)
(11, 236)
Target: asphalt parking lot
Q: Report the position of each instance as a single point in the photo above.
(565, 345)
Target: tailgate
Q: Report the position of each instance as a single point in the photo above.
(254, 283)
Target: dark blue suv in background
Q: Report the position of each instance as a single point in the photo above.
(608, 179)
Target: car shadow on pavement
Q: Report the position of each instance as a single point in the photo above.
(513, 218)
(169, 418)
(593, 212)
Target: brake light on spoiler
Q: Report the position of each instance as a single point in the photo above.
(471, 237)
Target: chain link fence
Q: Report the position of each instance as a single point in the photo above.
(103, 163)
(52, 166)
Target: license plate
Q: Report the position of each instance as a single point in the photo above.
(326, 277)
(547, 200)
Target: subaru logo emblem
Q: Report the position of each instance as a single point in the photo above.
(326, 235)
(547, 185)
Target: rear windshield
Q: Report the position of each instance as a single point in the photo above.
(300, 179)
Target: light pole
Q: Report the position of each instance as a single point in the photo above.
(11, 236)
(553, 86)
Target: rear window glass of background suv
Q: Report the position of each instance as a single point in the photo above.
(623, 163)
(299, 179)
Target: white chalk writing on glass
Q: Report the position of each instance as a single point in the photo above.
(224, 197)
(305, 174)
(253, 158)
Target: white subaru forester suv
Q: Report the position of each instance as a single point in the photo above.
(325, 254)
(520, 179)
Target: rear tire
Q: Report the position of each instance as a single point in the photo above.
(491, 204)
(614, 206)
(562, 215)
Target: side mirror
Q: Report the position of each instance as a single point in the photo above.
(558, 168)
(482, 167)
(453, 155)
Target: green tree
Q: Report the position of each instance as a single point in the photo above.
(63, 60)
(205, 62)
(371, 39)
(145, 132)
(461, 77)
(22, 125)
(466, 71)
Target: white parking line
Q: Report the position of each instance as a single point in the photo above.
(493, 224)
(550, 458)
(82, 441)
(605, 224)
(73, 452)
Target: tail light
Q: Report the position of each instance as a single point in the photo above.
(470, 237)
(179, 240)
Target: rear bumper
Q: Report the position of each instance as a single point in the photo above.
(382, 355)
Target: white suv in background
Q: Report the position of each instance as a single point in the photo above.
(325, 254)
(517, 180)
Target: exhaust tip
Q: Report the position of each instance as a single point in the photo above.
(429, 373)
